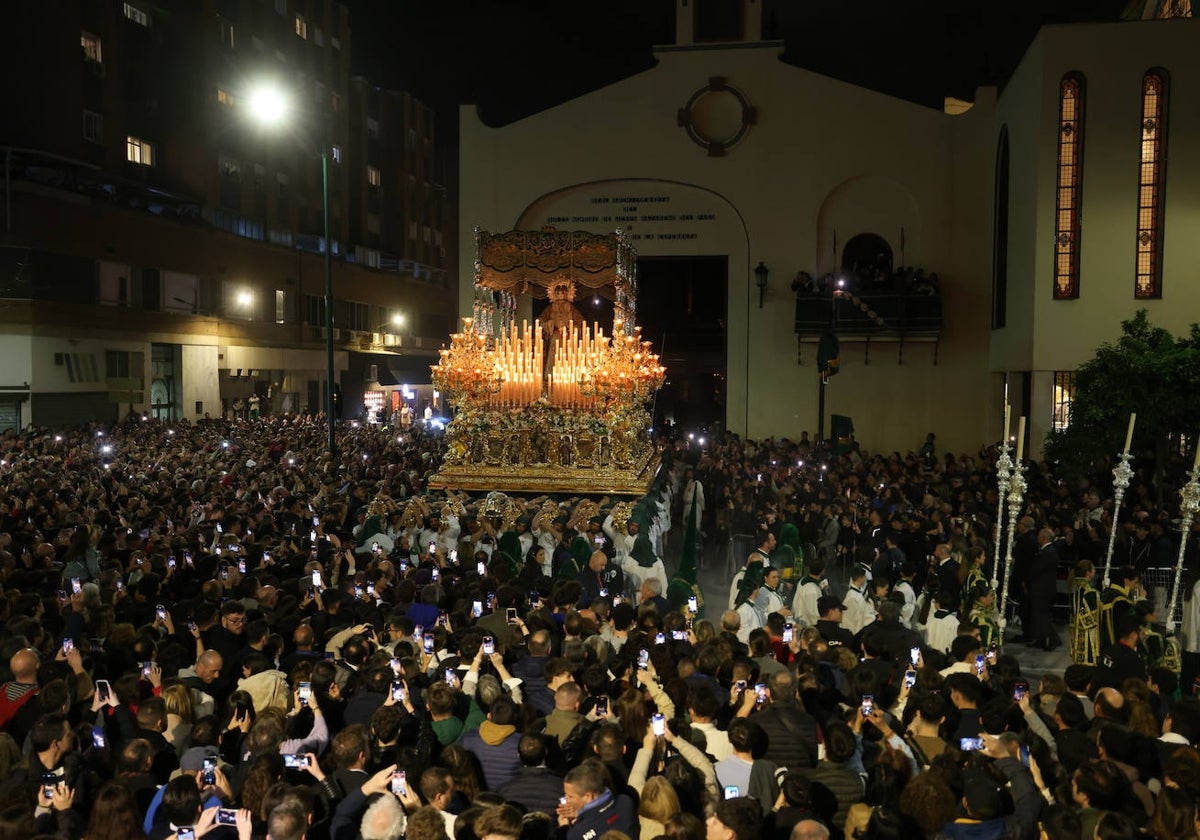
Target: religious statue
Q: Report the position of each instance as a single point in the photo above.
(556, 320)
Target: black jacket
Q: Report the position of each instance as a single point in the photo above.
(537, 788)
(791, 734)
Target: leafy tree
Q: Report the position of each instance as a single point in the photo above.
(1146, 371)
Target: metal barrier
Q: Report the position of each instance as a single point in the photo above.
(1157, 583)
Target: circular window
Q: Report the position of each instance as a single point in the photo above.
(717, 116)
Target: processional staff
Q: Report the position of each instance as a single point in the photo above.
(1189, 502)
(1003, 473)
(1122, 472)
(1016, 497)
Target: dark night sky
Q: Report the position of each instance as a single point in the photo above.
(516, 57)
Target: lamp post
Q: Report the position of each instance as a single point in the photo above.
(269, 106)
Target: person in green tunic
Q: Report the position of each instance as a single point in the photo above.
(1085, 615)
(510, 546)
(683, 585)
(1152, 644)
(787, 556)
(581, 553)
(1116, 602)
(984, 615)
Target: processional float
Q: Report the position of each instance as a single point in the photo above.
(559, 404)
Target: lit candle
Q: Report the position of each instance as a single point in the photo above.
(1129, 432)
(1021, 437)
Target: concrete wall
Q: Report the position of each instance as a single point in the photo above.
(201, 382)
(1044, 335)
(823, 154)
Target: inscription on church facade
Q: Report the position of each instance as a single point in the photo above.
(643, 217)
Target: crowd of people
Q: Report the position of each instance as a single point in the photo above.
(221, 629)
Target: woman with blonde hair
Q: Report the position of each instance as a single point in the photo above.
(180, 716)
(659, 803)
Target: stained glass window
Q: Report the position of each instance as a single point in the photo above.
(1071, 95)
(1152, 170)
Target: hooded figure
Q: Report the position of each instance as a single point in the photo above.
(642, 563)
(510, 544)
(372, 532)
(683, 585)
(581, 553)
(787, 556)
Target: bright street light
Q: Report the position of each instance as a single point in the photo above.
(244, 298)
(268, 104)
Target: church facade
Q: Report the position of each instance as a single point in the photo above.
(722, 149)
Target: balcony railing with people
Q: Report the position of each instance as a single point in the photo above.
(908, 304)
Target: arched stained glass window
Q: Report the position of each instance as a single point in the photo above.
(1152, 181)
(1071, 96)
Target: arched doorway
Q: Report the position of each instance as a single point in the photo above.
(867, 254)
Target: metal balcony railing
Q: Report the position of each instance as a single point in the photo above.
(884, 314)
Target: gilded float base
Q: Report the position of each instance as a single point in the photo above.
(542, 448)
(547, 479)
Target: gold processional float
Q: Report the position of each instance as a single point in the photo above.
(558, 405)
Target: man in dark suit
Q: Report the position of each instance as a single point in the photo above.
(1041, 585)
(947, 570)
(1024, 548)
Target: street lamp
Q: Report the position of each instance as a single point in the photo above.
(270, 107)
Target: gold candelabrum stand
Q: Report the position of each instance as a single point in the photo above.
(575, 424)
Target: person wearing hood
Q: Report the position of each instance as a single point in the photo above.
(495, 743)
(372, 533)
(642, 564)
(577, 560)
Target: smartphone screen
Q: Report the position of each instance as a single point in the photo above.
(489, 645)
(659, 723)
(399, 783)
(209, 771)
(76, 586)
(304, 692)
(510, 614)
(428, 643)
(732, 792)
(294, 760)
(868, 705)
(644, 660)
(477, 608)
(789, 632)
(980, 662)
(226, 816)
(692, 604)
(481, 569)
(185, 833)
(601, 706)
(98, 739)
(398, 692)
(969, 744)
(910, 678)
(914, 655)
(760, 691)
(316, 578)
